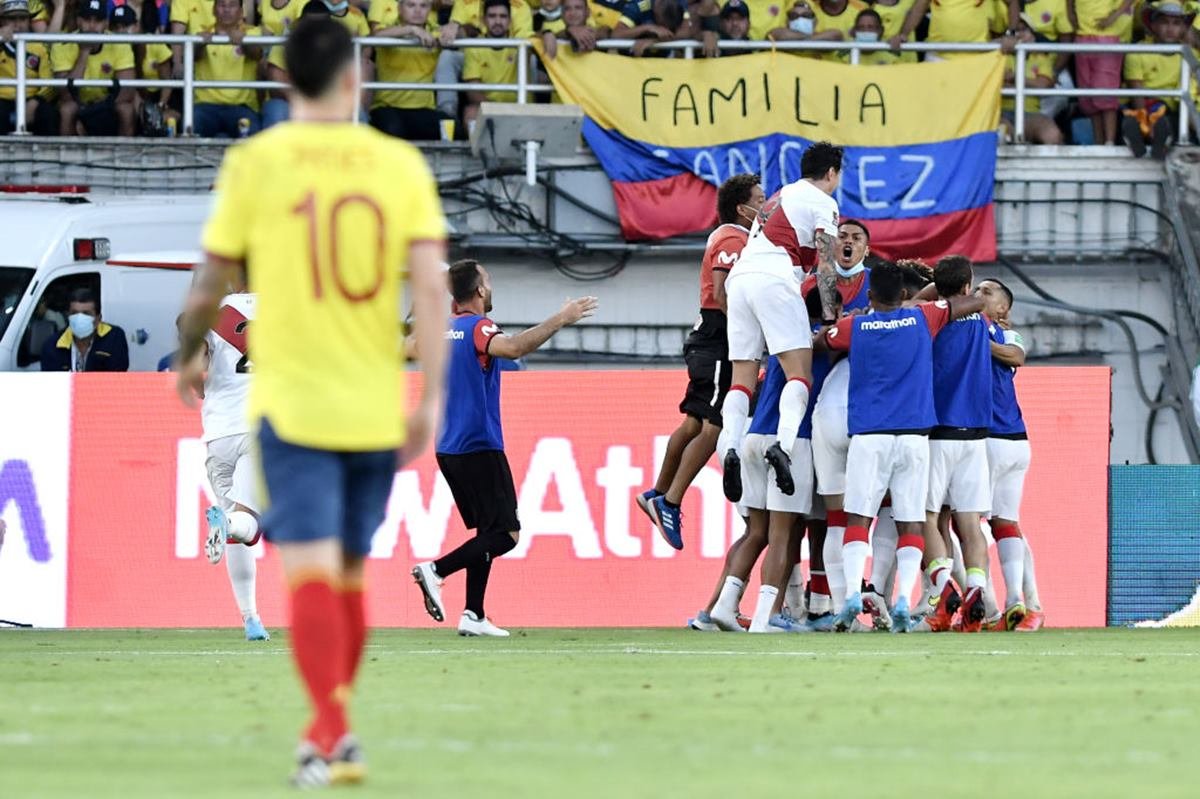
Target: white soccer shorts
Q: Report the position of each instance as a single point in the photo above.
(882, 463)
(958, 476)
(765, 310)
(233, 472)
(1008, 462)
(758, 479)
(830, 447)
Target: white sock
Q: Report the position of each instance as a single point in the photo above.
(727, 601)
(242, 526)
(976, 578)
(959, 567)
(939, 574)
(734, 412)
(793, 402)
(833, 567)
(854, 560)
(239, 562)
(1029, 583)
(908, 566)
(990, 608)
(883, 549)
(1012, 564)
(762, 612)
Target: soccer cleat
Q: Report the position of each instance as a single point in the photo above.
(218, 533)
(668, 520)
(644, 499)
(312, 771)
(743, 621)
(995, 624)
(845, 620)
(1034, 620)
(431, 588)
(821, 623)
(874, 604)
(944, 608)
(788, 624)
(255, 630)
(729, 624)
(973, 612)
(347, 766)
(470, 625)
(703, 623)
(901, 618)
(731, 481)
(781, 463)
(1014, 615)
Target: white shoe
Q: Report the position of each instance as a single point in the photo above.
(470, 624)
(727, 624)
(431, 588)
(218, 532)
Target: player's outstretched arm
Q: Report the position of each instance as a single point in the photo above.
(428, 287)
(964, 305)
(1012, 351)
(199, 314)
(527, 341)
(827, 274)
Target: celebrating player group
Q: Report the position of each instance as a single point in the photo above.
(885, 424)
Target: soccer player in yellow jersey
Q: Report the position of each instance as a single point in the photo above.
(329, 220)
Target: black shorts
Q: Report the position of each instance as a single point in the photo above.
(483, 490)
(99, 118)
(709, 377)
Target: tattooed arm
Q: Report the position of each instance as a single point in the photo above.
(826, 275)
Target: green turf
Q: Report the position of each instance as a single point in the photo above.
(615, 713)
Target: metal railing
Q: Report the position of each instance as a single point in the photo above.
(523, 88)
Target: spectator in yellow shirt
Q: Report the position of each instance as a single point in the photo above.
(405, 113)
(839, 16)
(40, 117)
(467, 22)
(188, 16)
(94, 110)
(802, 26)
(491, 65)
(1100, 22)
(892, 14)
(227, 113)
(1153, 119)
(1039, 74)
(575, 26)
(275, 109)
(949, 21)
(868, 29)
(151, 61)
(276, 17)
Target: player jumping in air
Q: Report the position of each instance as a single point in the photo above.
(470, 446)
(795, 228)
(328, 219)
(706, 354)
(232, 466)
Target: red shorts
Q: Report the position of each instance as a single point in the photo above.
(1098, 71)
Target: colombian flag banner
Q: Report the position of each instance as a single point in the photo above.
(920, 139)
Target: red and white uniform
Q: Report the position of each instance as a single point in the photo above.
(765, 306)
(231, 466)
(721, 253)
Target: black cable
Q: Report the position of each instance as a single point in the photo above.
(1151, 418)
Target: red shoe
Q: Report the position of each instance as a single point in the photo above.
(1034, 620)
(948, 604)
(973, 611)
(996, 625)
(743, 621)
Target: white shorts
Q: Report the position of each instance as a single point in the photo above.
(830, 446)
(958, 476)
(1008, 461)
(233, 471)
(765, 310)
(882, 463)
(758, 480)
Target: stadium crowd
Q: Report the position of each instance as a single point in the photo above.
(579, 24)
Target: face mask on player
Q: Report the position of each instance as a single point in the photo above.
(852, 271)
(802, 25)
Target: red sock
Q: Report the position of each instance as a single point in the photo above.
(318, 642)
(819, 583)
(356, 628)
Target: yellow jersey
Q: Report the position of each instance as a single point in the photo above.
(766, 16)
(155, 55)
(606, 15)
(1090, 13)
(355, 22)
(1048, 17)
(102, 65)
(470, 12)
(1155, 71)
(401, 64)
(488, 65)
(960, 21)
(227, 62)
(278, 21)
(197, 15)
(1037, 65)
(324, 215)
(38, 11)
(37, 65)
(893, 18)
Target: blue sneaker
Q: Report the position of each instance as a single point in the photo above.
(255, 630)
(849, 613)
(901, 618)
(786, 623)
(668, 520)
(704, 623)
(821, 624)
(218, 533)
(644, 499)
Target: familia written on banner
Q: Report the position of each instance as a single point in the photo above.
(920, 139)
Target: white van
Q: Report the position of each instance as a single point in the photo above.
(134, 253)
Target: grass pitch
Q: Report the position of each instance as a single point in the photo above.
(614, 713)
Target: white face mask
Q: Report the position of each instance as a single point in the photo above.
(866, 36)
(852, 271)
(551, 15)
(82, 324)
(802, 25)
